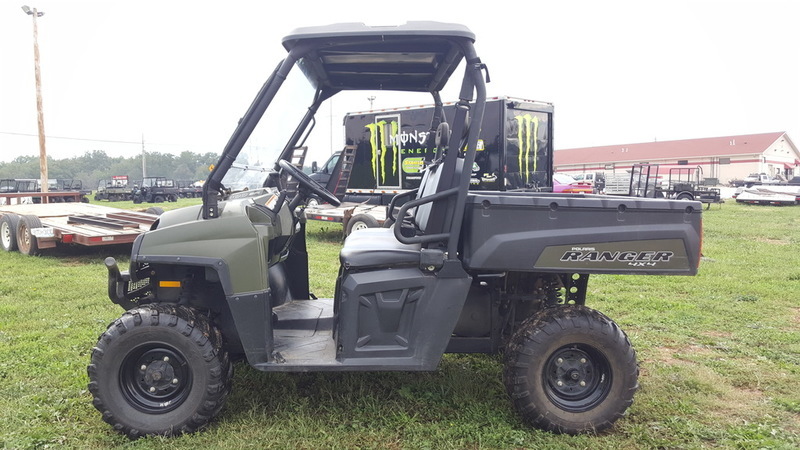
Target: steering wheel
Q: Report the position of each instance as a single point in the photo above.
(306, 181)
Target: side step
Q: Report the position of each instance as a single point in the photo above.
(303, 339)
(303, 333)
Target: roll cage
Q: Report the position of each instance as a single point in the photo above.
(415, 57)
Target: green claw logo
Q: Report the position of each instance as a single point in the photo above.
(527, 132)
(373, 143)
(376, 133)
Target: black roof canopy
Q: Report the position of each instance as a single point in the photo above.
(417, 56)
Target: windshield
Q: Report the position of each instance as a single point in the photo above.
(276, 126)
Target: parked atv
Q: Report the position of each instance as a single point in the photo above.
(155, 190)
(459, 271)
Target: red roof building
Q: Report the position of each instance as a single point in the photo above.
(724, 158)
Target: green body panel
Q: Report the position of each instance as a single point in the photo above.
(239, 239)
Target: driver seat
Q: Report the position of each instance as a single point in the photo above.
(378, 247)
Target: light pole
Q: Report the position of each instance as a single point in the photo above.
(371, 99)
(42, 149)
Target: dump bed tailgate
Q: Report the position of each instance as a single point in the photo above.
(576, 233)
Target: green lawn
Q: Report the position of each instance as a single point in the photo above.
(719, 356)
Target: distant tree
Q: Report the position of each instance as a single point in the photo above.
(96, 165)
(182, 172)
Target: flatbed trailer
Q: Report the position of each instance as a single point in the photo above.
(352, 216)
(30, 228)
(16, 198)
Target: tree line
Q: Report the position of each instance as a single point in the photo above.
(96, 165)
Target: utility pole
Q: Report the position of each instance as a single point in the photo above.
(42, 149)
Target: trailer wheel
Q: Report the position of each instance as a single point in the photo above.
(159, 370)
(570, 370)
(313, 201)
(685, 196)
(360, 222)
(8, 232)
(26, 241)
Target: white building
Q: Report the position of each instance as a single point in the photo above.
(724, 158)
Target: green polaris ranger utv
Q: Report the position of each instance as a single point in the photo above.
(458, 271)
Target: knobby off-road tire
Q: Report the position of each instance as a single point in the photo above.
(570, 370)
(8, 232)
(159, 370)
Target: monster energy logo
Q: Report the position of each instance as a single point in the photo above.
(377, 133)
(527, 133)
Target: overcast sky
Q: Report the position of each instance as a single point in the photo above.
(178, 75)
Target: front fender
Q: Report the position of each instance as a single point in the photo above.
(231, 244)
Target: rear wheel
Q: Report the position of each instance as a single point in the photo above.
(570, 370)
(8, 232)
(158, 199)
(26, 241)
(159, 370)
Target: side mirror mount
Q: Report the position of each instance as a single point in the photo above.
(314, 167)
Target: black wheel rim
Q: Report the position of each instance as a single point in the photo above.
(155, 378)
(577, 378)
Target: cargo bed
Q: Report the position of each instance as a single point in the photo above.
(581, 233)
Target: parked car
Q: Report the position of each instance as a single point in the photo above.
(566, 184)
(596, 179)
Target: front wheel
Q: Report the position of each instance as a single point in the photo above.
(570, 370)
(159, 370)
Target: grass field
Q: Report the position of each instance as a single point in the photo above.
(719, 355)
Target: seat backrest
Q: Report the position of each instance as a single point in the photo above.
(434, 217)
(427, 187)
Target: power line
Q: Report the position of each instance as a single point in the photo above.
(108, 141)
